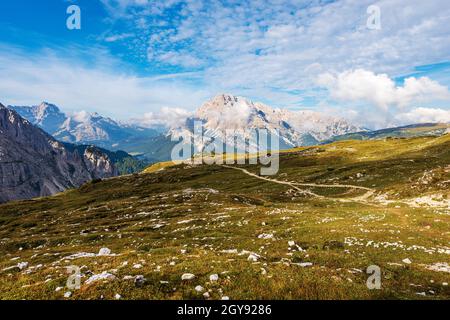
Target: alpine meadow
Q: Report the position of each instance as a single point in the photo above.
(253, 151)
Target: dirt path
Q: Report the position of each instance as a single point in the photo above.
(295, 185)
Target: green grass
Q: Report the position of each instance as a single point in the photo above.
(150, 218)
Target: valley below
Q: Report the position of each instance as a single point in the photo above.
(224, 232)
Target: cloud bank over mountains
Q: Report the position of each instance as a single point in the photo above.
(395, 103)
(381, 91)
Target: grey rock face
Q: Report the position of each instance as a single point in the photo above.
(98, 163)
(34, 164)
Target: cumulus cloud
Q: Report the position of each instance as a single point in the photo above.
(424, 115)
(165, 117)
(380, 90)
(81, 116)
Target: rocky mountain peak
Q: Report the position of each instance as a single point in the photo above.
(295, 128)
(226, 99)
(222, 103)
(47, 108)
(34, 164)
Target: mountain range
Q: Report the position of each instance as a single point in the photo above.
(221, 113)
(413, 130)
(44, 151)
(34, 164)
(83, 127)
(293, 128)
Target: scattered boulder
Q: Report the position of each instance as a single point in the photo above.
(406, 261)
(188, 276)
(305, 264)
(265, 236)
(104, 252)
(139, 281)
(214, 277)
(439, 267)
(199, 289)
(102, 276)
(253, 257)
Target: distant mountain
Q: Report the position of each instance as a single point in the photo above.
(295, 128)
(414, 130)
(46, 115)
(33, 164)
(84, 127)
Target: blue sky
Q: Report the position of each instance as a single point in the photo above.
(133, 57)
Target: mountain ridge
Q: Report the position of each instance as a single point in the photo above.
(294, 128)
(412, 130)
(34, 164)
(224, 111)
(82, 127)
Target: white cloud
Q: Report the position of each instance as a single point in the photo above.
(380, 90)
(166, 117)
(231, 117)
(31, 78)
(424, 115)
(81, 116)
(419, 90)
(118, 37)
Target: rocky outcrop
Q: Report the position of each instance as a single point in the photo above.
(97, 163)
(34, 164)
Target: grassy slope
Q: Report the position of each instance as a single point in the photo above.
(181, 218)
